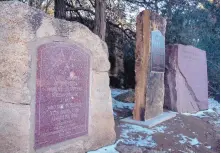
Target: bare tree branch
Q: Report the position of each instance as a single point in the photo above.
(129, 33)
(123, 30)
(92, 3)
(75, 9)
(217, 66)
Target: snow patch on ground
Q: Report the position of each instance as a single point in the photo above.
(185, 139)
(214, 105)
(107, 149)
(214, 110)
(200, 114)
(139, 136)
(209, 147)
(116, 92)
(134, 135)
(121, 105)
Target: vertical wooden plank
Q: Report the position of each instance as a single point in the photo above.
(141, 63)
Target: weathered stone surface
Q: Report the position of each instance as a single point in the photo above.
(22, 31)
(142, 54)
(154, 95)
(14, 128)
(186, 82)
(126, 97)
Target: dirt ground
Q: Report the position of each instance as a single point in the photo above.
(185, 133)
(201, 136)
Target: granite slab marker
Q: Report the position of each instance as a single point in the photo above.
(155, 79)
(149, 65)
(62, 96)
(186, 80)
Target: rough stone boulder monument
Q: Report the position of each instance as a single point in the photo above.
(54, 84)
(186, 82)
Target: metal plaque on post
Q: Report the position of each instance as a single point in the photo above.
(157, 51)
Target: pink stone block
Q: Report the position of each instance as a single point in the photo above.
(186, 81)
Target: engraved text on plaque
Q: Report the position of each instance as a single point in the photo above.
(62, 93)
(157, 51)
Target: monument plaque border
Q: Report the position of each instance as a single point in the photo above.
(33, 47)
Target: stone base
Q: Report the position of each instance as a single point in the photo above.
(154, 95)
(151, 122)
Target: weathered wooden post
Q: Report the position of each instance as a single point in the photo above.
(149, 65)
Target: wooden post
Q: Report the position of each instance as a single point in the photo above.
(141, 63)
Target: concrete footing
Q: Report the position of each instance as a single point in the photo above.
(151, 122)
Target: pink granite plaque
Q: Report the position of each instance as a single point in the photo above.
(62, 93)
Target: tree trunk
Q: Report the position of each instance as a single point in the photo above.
(35, 3)
(30, 2)
(100, 18)
(156, 6)
(59, 7)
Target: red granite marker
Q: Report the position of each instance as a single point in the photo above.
(186, 82)
(62, 93)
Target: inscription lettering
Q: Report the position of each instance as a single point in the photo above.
(62, 93)
(190, 55)
(157, 51)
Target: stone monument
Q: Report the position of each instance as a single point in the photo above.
(149, 65)
(54, 84)
(186, 82)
